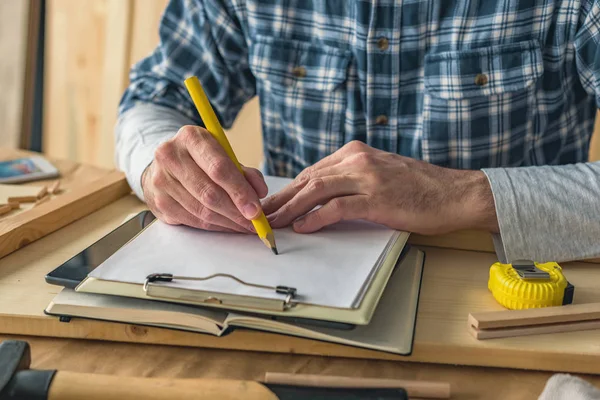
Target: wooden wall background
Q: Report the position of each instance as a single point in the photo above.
(19, 23)
(90, 46)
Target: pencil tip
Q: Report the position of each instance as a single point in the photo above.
(269, 241)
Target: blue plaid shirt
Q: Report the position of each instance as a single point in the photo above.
(464, 84)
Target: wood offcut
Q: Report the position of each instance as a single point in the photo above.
(55, 188)
(5, 209)
(37, 222)
(22, 199)
(536, 321)
(43, 192)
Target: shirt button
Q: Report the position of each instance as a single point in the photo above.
(481, 79)
(299, 72)
(381, 120)
(383, 43)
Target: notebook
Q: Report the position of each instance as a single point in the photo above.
(332, 271)
(391, 328)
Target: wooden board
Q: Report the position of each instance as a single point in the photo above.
(85, 74)
(90, 47)
(84, 189)
(144, 29)
(454, 285)
(14, 30)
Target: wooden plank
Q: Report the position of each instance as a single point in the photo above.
(87, 45)
(144, 34)
(47, 217)
(85, 189)
(72, 70)
(114, 76)
(482, 334)
(537, 321)
(14, 18)
(535, 316)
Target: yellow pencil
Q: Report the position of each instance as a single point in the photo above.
(263, 229)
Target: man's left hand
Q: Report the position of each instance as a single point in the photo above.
(360, 182)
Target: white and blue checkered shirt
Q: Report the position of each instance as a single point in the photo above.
(463, 84)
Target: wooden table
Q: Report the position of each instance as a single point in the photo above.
(450, 291)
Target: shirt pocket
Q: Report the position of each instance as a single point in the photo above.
(303, 98)
(479, 106)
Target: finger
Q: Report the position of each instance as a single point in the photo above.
(213, 160)
(274, 202)
(336, 210)
(318, 191)
(257, 180)
(173, 213)
(198, 210)
(208, 194)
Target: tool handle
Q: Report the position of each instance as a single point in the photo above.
(76, 386)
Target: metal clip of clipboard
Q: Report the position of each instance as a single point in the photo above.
(152, 289)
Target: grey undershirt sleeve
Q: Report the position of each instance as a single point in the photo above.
(547, 213)
(139, 131)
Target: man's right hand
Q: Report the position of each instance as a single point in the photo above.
(192, 181)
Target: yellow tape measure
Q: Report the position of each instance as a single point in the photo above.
(527, 284)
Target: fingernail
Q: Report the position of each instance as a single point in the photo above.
(299, 223)
(250, 210)
(251, 228)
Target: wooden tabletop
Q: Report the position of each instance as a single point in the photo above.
(453, 285)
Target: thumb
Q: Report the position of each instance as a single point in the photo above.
(257, 180)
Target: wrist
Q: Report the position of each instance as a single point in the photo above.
(477, 202)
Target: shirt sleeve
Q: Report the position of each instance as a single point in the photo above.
(552, 213)
(587, 48)
(547, 213)
(202, 38)
(139, 131)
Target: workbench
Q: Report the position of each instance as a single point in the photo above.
(454, 284)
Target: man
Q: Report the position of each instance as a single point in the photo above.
(427, 116)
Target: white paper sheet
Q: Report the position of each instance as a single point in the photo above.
(327, 268)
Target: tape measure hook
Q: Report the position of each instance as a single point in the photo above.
(527, 270)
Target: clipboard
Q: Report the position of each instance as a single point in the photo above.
(158, 288)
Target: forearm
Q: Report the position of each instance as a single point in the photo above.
(139, 131)
(547, 213)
